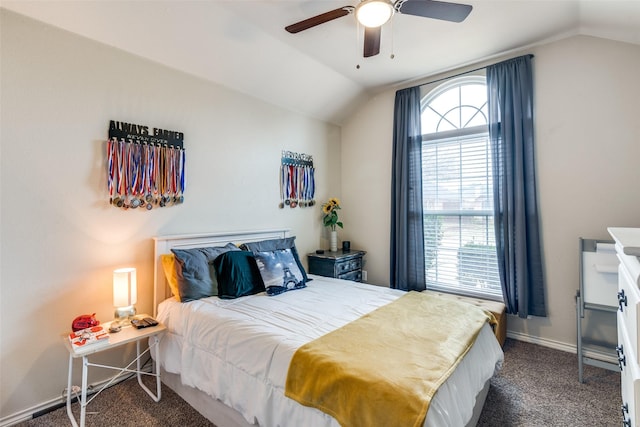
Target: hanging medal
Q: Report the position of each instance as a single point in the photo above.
(162, 172)
(134, 176)
(294, 187)
(300, 171)
(307, 174)
(155, 182)
(287, 184)
(312, 184)
(148, 168)
(122, 181)
(176, 174)
(110, 171)
(181, 175)
(166, 162)
(170, 175)
(142, 175)
(112, 157)
(305, 186)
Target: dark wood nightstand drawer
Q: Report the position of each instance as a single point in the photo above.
(349, 265)
(356, 276)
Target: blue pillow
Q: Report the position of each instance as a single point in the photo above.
(237, 274)
(278, 244)
(279, 271)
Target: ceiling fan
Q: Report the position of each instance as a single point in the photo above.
(372, 14)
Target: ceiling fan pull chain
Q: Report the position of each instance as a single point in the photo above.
(393, 36)
(357, 49)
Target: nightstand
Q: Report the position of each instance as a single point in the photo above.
(127, 335)
(340, 264)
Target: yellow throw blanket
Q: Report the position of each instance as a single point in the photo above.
(384, 368)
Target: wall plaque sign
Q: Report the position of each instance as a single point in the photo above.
(141, 133)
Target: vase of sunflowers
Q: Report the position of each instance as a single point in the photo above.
(330, 220)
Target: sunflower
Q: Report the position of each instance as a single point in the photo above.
(330, 211)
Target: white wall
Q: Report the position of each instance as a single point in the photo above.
(588, 154)
(60, 240)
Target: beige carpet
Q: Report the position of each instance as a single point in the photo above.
(536, 387)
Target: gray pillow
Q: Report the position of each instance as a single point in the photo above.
(195, 273)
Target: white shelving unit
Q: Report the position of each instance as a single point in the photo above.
(598, 292)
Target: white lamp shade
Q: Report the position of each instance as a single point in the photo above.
(374, 13)
(124, 287)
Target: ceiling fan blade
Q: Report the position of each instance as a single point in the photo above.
(372, 41)
(454, 12)
(319, 19)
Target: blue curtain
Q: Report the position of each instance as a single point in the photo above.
(407, 232)
(510, 99)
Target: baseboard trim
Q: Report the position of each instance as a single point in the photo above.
(53, 404)
(557, 345)
(569, 348)
(27, 414)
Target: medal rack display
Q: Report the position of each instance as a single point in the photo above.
(145, 175)
(297, 180)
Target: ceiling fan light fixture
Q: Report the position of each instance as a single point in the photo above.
(374, 13)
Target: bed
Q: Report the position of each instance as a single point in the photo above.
(234, 373)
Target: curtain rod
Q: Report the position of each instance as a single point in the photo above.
(530, 55)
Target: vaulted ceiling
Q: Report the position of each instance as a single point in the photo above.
(321, 72)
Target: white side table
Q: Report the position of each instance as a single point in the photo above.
(126, 335)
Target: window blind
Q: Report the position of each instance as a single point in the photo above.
(460, 252)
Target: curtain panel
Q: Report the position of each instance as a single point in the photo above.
(407, 231)
(511, 126)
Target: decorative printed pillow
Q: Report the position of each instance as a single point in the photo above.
(274, 244)
(279, 271)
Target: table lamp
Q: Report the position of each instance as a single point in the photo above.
(124, 294)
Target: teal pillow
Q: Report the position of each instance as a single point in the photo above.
(237, 274)
(195, 274)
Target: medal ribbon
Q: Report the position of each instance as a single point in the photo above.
(122, 178)
(176, 170)
(156, 170)
(134, 162)
(300, 183)
(110, 165)
(183, 156)
(312, 180)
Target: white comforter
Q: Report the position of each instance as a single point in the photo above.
(238, 351)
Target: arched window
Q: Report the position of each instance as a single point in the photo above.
(460, 253)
